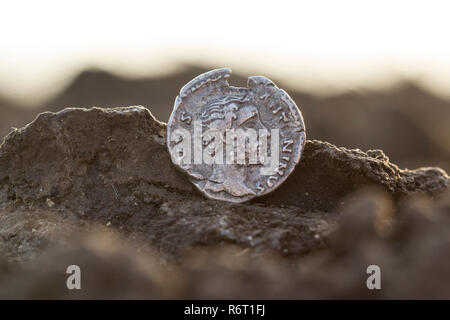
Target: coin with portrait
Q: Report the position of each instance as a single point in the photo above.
(235, 143)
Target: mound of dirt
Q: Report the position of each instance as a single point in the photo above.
(79, 172)
(407, 122)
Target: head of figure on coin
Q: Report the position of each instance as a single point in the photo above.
(232, 112)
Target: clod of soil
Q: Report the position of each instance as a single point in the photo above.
(109, 170)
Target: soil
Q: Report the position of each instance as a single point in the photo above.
(409, 123)
(96, 187)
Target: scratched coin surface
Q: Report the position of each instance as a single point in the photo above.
(235, 143)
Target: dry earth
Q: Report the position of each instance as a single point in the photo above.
(96, 187)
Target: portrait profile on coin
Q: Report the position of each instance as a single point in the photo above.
(226, 114)
(235, 143)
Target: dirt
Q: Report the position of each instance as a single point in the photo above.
(407, 122)
(96, 187)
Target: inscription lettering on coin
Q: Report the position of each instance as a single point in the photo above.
(235, 143)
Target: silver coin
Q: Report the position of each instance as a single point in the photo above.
(235, 143)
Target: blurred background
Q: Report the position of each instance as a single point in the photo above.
(365, 75)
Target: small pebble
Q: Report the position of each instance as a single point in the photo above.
(50, 203)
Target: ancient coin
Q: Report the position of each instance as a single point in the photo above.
(235, 143)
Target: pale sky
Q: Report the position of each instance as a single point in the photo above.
(318, 45)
